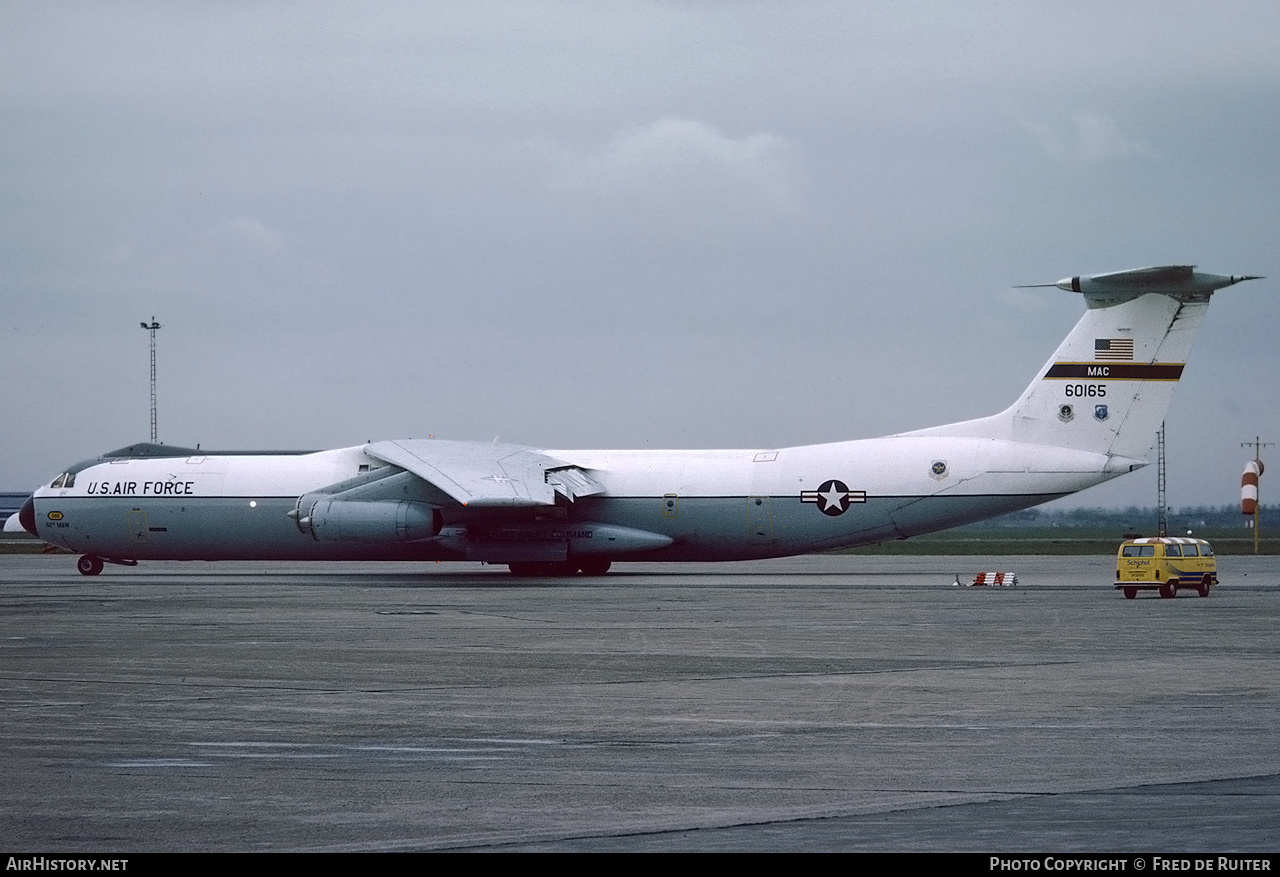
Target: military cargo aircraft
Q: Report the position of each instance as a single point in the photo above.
(1090, 414)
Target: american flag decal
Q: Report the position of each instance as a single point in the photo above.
(1113, 348)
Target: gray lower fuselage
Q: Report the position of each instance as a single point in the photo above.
(703, 528)
(659, 506)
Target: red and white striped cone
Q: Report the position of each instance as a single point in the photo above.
(1249, 487)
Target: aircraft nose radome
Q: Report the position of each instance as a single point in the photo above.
(27, 516)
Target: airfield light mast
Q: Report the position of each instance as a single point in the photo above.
(152, 327)
(1162, 513)
(1257, 444)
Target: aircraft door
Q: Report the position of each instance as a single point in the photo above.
(764, 476)
(759, 520)
(136, 521)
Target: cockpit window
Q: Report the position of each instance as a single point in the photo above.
(66, 479)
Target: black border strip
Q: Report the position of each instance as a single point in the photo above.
(1114, 371)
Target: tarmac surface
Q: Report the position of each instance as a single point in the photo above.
(815, 703)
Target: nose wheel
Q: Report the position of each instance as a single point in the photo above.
(89, 565)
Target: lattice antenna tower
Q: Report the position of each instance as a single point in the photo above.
(1162, 511)
(152, 327)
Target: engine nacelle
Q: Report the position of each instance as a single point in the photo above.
(378, 521)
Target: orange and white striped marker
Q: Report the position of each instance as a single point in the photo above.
(1249, 487)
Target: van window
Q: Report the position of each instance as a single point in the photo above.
(1173, 551)
(1205, 550)
(1139, 551)
(1189, 551)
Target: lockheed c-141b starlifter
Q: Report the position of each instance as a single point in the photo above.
(1090, 414)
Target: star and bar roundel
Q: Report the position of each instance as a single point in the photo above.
(833, 497)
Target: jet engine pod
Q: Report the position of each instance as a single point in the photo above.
(337, 520)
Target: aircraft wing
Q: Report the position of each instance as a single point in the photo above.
(481, 475)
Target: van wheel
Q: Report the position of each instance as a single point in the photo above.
(89, 565)
(1169, 589)
(1204, 587)
(1130, 593)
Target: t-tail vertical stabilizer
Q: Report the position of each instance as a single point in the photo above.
(1107, 387)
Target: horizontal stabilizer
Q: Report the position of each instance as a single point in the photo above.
(1180, 281)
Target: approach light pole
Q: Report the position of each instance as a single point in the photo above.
(152, 327)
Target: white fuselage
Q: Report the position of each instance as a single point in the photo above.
(712, 505)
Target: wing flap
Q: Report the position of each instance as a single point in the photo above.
(571, 483)
(480, 475)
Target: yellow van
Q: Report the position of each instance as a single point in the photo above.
(1166, 564)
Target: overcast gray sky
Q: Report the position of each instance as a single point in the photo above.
(618, 224)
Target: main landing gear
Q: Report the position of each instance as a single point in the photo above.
(91, 564)
(542, 568)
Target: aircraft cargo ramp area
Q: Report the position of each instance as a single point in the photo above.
(814, 703)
